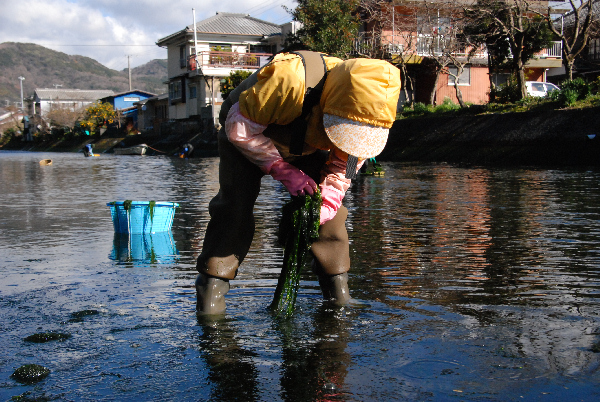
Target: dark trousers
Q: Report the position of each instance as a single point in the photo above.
(231, 227)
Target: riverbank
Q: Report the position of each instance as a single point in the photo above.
(159, 144)
(569, 137)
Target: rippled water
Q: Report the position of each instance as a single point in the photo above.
(468, 284)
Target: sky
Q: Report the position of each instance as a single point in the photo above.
(114, 32)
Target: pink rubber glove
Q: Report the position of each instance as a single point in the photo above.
(296, 181)
(331, 201)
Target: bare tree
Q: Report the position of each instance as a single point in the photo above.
(466, 48)
(390, 34)
(442, 40)
(574, 30)
(14, 122)
(65, 116)
(520, 24)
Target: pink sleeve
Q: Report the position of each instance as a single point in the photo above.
(248, 137)
(333, 181)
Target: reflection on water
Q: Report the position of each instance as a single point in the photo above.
(468, 284)
(148, 247)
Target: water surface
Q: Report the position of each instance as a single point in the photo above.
(469, 284)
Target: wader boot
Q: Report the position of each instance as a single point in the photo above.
(210, 293)
(332, 259)
(335, 289)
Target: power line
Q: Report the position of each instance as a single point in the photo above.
(284, 20)
(258, 6)
(154, 44)
(261, 11)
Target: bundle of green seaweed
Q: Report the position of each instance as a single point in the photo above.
(298, 229)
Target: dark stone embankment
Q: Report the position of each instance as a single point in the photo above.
(159, 145)
(543, 138)
(549, 138)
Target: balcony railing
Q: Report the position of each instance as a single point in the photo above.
(427, 45)
(554, 51)
(227, 60)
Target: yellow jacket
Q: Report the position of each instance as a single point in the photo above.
(277, 96)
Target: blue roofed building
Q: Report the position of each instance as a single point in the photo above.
(125, 102)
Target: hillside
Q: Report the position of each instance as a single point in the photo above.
(44, 68)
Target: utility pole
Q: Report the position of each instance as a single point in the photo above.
(129, 68)
(21, 78)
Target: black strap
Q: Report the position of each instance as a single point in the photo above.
(314, 81)
(351, 165)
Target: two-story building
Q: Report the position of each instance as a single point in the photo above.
(200, 56)
(420, 33)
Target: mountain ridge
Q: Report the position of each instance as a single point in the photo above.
(46, 68)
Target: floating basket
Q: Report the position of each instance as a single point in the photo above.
(138, 217)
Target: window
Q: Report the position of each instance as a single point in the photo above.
(220, 47)
(464, 79)
(500, 79)
(594, 49)
(176, 93)
(193, 93)
(431, 25)
(538, 86)
(182, 57)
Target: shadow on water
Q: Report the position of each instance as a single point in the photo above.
(467, 284)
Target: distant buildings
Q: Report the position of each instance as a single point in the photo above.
(44, 99)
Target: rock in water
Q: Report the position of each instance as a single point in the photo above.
(47, 337)
(30, 373)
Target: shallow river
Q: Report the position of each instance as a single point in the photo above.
(469, 284)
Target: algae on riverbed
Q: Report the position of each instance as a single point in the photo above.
(30, 373)
(47, 337)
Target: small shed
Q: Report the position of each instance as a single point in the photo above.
(152, 112)
(125, 102)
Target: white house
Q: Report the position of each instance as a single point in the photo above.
(45, 99)
(198, 59)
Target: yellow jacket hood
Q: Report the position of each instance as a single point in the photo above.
(363, 90)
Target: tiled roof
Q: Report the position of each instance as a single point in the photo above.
(230, 23)
(72, 94)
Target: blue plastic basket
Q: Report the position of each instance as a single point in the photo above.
(141, 218)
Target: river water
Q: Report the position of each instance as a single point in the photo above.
(468, 284)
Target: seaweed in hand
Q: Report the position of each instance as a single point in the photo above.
(298, 229)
